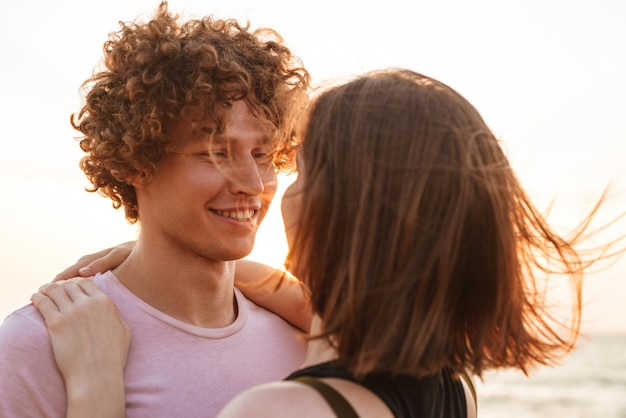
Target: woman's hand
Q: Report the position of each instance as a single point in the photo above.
(99, 262)
(90, 341)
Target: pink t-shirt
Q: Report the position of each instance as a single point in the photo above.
(174, 369)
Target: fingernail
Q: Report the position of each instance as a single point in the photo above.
(86, 272)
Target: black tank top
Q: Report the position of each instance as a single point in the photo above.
(437, 396)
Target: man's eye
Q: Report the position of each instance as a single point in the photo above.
(217, 155)
(263, 157)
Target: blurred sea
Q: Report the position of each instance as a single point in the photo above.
(589, 383)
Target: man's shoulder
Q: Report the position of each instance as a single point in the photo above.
(22, 323)
(30, 378)
(257, 314)
(111, 286)
(281, 341)
(23, 339)
(27, 320)
(106, 281)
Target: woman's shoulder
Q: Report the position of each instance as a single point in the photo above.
(277, 399)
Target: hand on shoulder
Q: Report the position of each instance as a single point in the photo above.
(98, 262)
(86, 329)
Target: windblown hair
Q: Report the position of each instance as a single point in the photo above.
(419, 245)
(157, 72)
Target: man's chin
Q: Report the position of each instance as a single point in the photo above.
(238, 254)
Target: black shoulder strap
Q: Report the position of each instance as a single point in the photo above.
(338, 403)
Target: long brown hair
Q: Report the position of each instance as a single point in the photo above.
(419, 245)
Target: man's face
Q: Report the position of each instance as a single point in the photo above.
(210, 195)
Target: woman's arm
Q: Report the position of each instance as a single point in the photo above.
(276, 290)
(90, 341)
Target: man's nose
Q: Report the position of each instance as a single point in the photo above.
(247, 177)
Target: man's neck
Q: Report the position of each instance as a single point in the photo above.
(180, 284)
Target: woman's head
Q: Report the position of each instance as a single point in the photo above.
(414, 234)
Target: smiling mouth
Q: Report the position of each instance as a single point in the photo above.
(240, 215)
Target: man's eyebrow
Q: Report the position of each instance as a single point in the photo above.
(221, 139)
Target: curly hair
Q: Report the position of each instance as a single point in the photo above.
(156, 72)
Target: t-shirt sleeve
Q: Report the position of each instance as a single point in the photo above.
(30, 383)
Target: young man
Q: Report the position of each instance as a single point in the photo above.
(185, 127)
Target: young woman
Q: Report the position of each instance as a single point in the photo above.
(423, 255)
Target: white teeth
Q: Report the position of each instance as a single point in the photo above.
(237, 214)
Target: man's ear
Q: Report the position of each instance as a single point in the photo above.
(140, 179)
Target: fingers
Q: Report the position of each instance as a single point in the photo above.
(87, 332)
(68, 273)
(66, 294)
(109, 261)
(98, 262)
(52, 301)
(87, 286)
(113, 258)
(46, 306)
(77, 303)
(57, 294)
(81, 267)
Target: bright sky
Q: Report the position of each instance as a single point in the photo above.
(548, 77)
